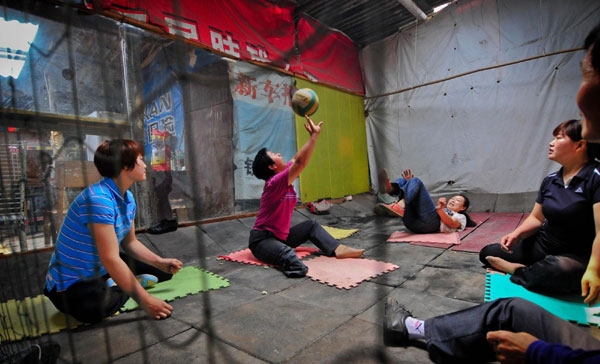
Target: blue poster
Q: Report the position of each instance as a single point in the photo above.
(163, 110)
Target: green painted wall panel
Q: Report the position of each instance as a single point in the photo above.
(339, 165)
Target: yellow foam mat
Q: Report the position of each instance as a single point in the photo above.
(339, 233)
(32, 317)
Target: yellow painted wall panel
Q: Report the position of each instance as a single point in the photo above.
(339, 164)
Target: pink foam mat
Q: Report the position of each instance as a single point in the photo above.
(245, 256)
(439, 240)
(479, 218)
(491, 231)
(345, 273)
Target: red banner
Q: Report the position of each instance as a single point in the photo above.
(328, 56)
(255, 30)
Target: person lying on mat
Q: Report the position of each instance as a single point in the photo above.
(550, 250)
(416, 208)
(271, 239)
(87, 276)
(508, 330)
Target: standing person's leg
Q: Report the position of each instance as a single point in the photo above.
(266, 248)
(89, 301)
(313, 231)
(163, 189)
(163, 185)
(420, 215)
(461, 336)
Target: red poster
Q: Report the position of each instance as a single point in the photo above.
(255, 30)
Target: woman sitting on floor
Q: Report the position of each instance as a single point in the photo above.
(87, 277)
(551, 249)
(416, 208)
(271, 239)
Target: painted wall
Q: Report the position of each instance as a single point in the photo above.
(339, 165)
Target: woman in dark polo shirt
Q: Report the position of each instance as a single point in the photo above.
(550, 251)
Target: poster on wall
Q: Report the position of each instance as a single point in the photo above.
(163, 117)
(262, 117)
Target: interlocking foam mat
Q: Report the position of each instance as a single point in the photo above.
(36, 316)
(498, 285)
(339, 233)
(441, 240)
(479, 218)
(246, 256)
(491, 231)
(189, 281)
(345, 273)
(32, 317)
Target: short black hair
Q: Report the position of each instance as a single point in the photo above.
(260, 166)
(593, 41)
(572, 128)
(113, 155)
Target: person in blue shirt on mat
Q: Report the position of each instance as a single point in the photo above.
(550, 250)
(87, 276)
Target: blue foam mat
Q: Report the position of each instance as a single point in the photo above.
(500, 286)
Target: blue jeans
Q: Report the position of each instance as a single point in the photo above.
(420, 215)
(282, 254)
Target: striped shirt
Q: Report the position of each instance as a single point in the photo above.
(75, 256)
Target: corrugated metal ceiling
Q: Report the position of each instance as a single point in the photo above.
(365, 21)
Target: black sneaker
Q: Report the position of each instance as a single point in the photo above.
(165, 226)
(394, 328)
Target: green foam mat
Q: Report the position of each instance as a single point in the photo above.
(574, 310)
(189, 281)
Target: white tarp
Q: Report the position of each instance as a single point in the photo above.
(488, 131)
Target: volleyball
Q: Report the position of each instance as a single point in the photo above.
(305, 102)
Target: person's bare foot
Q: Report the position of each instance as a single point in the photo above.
(342, 252)
(503, 265)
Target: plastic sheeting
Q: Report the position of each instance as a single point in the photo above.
(262, 117)
(487, 132)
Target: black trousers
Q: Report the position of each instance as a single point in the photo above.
(460, 337)
(91, 301)
(267, 248)
(545, 271)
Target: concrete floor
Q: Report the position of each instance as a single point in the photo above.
(297, 320)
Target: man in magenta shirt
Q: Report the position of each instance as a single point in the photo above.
(272, 240)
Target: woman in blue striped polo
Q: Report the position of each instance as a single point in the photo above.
(88, 277)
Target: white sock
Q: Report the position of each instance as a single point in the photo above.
(416, 328)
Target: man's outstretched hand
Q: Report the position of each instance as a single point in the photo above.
(310, 126)
(510, 347)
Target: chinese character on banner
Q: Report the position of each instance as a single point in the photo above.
(168, 123)
(271, 91)
(245, 86)
(151, 126)
(248, 166)
(224, 42)
(258, 53)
